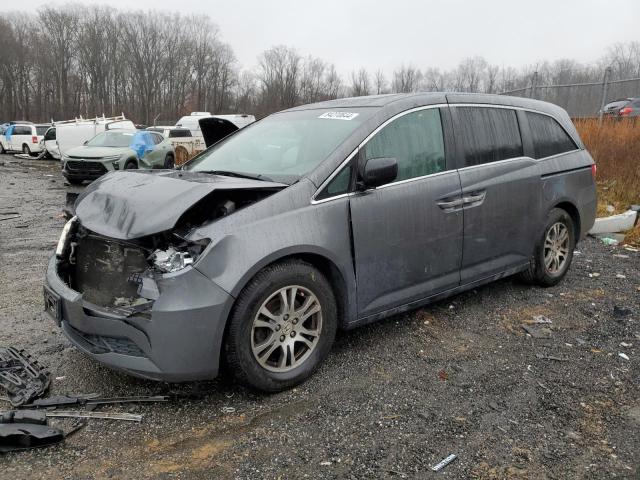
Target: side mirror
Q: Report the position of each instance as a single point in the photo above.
(377, 172)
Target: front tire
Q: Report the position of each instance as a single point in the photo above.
(169, 162)
(131, 165)
(282, 327)
(554, 250)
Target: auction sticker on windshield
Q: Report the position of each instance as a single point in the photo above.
(339, 115)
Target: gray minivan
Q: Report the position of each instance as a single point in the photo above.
(320, 217)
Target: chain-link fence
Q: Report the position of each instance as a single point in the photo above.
(581, 99)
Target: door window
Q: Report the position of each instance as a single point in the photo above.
(415, 140)
(549, 138)
(488, 134)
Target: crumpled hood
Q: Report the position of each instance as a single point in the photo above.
(95, 152)
(133, 204)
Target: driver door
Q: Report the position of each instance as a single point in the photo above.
(408, 234)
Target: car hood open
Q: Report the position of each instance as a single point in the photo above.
(128, 205)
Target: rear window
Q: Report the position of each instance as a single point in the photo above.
(488, 134)
(549, 138)
(179, 133)
(22, 130)
(42, 129)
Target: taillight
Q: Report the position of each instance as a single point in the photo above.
(594, 170)
(34, 139)
(625, 111)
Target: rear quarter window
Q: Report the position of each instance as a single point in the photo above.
(548, 137)
(179, 133)
(488, 134)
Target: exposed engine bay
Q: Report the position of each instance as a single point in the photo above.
(120, 275)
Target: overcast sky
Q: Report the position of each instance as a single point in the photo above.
(438, 33)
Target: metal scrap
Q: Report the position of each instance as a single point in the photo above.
(91, 399)
(22, 429)
(127, 417)
(439, 466)
(21, 376)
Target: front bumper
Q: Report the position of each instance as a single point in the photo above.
(179, 339)
(77, 169)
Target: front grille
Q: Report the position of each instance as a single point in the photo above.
(103, 269)
(89, 167)
(102, 344)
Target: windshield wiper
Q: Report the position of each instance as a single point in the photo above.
(229, 173)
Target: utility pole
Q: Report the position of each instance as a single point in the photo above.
(534, 84)
(605, 88)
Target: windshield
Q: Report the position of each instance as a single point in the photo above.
(111, 139)
(284, 146)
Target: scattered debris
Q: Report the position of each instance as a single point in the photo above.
(623, 355)
(443, 375)
(444, 463)
(127, 417)
(541, 319)
(20, 430)
(621, 311)
(620, 255)
(228, 409)
(626, 345)
(620, 275)
(594, 275)
(614, 223)
(537, 331)
(21, 376)
(91, 399)
(9, 218)
(629, 248)
(611, 208)
(609, 241)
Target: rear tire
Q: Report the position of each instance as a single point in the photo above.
(554, 250)
(25, 149)
(169, 162)
(282, 348)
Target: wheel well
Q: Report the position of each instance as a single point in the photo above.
(130, 160)
(571, 209)
(331, 272)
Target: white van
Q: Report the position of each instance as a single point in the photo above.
(74, 133)
(23, 137)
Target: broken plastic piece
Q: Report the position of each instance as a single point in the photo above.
(20, 436)
(21, 376)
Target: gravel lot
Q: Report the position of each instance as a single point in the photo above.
(461, 376)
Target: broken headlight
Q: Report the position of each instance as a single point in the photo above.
(171, 260)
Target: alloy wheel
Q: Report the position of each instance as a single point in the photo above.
(556, 248)
(286, 329)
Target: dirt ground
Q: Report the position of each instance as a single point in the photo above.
(394, 398)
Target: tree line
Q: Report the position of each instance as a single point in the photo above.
(63, 62)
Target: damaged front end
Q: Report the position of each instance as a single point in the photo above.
(124, 284)
(121, 276)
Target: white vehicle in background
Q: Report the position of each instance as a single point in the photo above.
(192, 121)
(22, 137)
(185, 144)
(65, 135)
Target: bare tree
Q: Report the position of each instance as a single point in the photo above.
(360, 84)
(379, 82)
(406, 79)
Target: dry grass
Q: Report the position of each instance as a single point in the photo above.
(615, 147)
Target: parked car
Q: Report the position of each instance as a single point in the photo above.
(626, 107)
(321, 217)
(22, 137)
(117, 150)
